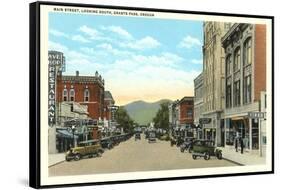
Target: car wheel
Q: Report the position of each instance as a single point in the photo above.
(100, 151)
(194, 157)
(77, 157)
(67, 159)
(207, 156)
(219, 155)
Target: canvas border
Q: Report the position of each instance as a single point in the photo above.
(34, 97)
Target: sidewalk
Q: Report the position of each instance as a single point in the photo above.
(246, 158)
(56, 159)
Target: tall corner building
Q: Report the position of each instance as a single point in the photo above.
(245, 84)
(214, 80)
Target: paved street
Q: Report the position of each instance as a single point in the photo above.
(135, 156)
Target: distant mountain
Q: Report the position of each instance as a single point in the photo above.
(143, 112)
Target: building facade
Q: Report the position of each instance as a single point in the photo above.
(245, 71)
(213, 81)
(108, 104)
(198, 103)
(85, 90)
(185, 109)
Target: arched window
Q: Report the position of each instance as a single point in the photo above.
(86, 95)
(65, 95)
(237, 60)
(228, 65)
(247, 52)
(72, 95)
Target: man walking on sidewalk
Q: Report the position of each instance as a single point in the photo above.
(242, 145)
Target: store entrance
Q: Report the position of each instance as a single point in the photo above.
(241, 130)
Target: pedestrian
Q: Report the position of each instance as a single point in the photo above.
(236, 143)
(242, 145)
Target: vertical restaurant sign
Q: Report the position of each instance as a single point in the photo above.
(56, 64)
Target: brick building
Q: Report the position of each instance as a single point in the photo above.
(186, 106)
(85, 90)
(245, 74)
(185, 109)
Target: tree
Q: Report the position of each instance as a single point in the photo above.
(124, 120)
(161, 120)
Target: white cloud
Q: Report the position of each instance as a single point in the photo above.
(80, 38)
(57, 33)
(197, 61)
(94, 34)
(57, 46)
(189, 42)
(105, 46)
(144, 43)
(91, 32)
(120, 31)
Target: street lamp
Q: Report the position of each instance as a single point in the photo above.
(73, 128)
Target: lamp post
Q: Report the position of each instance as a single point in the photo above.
(73, 128)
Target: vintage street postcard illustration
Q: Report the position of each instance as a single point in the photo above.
(153, 94)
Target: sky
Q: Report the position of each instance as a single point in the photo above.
(139, 58)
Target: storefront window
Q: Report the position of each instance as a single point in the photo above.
(255, 134)
(229, 132)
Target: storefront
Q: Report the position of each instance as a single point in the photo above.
(64, 140)
(209, 134)
(242, 127)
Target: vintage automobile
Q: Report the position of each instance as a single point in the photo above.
(91, 148)
(187, 145)
(137, 136)
(106, 143)
(206, 149)
(151, 137)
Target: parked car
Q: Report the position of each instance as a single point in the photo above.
(106, 143)
(173, 141)
(151, 137)
(91, 148)
(137, 136)
(187, 145)
(206, 149)
(179, 141)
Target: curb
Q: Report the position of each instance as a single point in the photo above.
(234, 162)
(56, 163)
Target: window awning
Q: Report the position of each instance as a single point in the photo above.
(65, 134)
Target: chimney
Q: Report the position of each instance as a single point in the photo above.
(77, 73)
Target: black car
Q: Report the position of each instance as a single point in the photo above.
(137, 136)
(187, 145)
(106, 143)
(152, 137)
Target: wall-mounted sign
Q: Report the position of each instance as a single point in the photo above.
(205, 120)
(256, 115)
(56, 61)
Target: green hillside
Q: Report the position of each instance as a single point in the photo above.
(143, 112)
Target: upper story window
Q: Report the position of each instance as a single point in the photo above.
(237, 60)
(247, 89)
(65, 95)
(72, 95)
(228, 65)
(189, 113)
(86, 95)
(247, 52)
